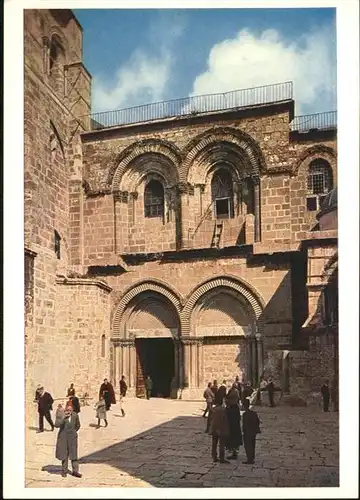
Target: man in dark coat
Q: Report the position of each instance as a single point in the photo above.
(234, 439)
(123, 386)
(251, 427)
(325, 392)
(221, 393)
(108, 393)
(37, 394)
(214, 387)
(148, 386)
(219, 429)
(271, 390)
(45, 403)
(67, 439)
(239, 387)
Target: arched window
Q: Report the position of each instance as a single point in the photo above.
(222, 194)
(154, 199)
(319, 183)
(103, 346)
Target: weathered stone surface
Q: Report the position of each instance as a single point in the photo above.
(287, 450)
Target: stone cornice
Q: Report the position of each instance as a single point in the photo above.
(119, 341)
(84, 282)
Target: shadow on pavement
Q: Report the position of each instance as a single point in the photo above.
(52, 469)
(163, 456)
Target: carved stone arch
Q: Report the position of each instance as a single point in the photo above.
(153, 285)
(147, 165)
(253, 297)
(315, 152)
(55, 136)
(125, 158)
(237, 140)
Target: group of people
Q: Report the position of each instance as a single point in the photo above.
(224, 421)
(68, 422)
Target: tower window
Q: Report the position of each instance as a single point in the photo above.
(319, 183)
(57, 245)
(154, 199)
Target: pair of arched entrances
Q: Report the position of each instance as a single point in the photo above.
(222, 313)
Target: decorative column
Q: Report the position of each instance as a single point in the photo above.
(132, 363)
(253, 361)
(200, 349)
(257, 205)
(180, 350)
(177, 362)
(184, 189)
(186, 362)
(260, 354)
(46, 54)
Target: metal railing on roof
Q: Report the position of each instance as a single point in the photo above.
(319, 121)
(193, 105)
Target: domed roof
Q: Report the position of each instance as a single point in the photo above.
(329, 203)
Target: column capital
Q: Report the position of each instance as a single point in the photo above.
(192, 340)
(123, 342)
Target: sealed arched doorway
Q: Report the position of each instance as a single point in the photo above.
(152, 321)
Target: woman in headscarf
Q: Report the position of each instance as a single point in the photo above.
(67, 439)
(234, 440)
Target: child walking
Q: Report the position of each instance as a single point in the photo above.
(100, 408)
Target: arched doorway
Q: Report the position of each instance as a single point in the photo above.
(225, 319)
(152, 321)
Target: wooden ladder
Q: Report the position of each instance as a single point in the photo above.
(218, 228)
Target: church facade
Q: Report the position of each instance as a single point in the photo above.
(180, 241)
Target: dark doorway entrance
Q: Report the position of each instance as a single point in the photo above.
(155, 357)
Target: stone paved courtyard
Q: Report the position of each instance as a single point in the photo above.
(162, 443)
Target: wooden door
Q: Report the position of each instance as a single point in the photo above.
(140, 378)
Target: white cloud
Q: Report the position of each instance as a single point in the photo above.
(144, 77)
(249, 60)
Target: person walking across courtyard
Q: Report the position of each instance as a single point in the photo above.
(251, 427)
(219, 430)
(68, 423)
(45, 403)
(271, 391)
(209, 399)
(325, 392)
(123, 386)
(100, 408)
(148, 387)
(234, 439)
(107, 391)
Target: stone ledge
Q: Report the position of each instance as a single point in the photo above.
(84, 282)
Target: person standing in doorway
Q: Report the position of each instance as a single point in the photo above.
(251, 427)
(148, 386)
(100, 408)
(68, 423)
(239, 387)
(108, 393)
(325, 392)
(123, 386)
(271, 391)
(219, 430)
(45, 403)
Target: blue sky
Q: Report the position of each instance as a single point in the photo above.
(138, 56)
